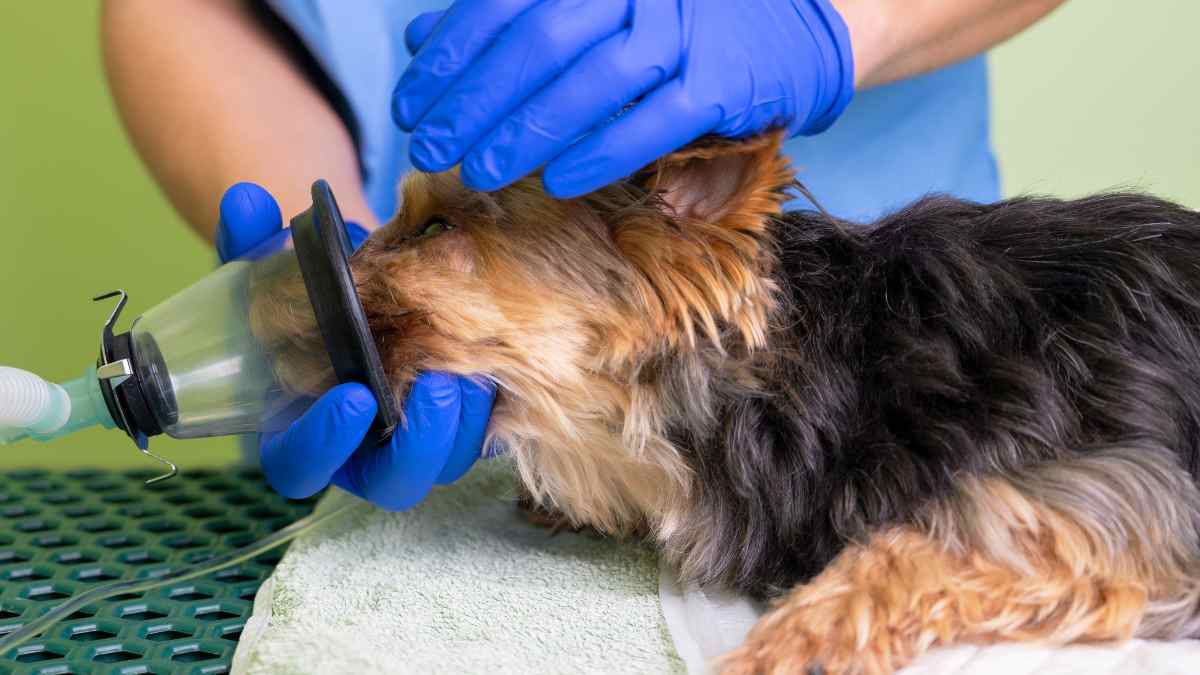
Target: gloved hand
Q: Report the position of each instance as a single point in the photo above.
(446, 415)
(507, 87)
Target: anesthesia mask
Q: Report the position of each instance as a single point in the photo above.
(201, 363)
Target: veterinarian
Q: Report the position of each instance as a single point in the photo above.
(281, 92)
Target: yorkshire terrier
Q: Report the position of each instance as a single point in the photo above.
(964, 423)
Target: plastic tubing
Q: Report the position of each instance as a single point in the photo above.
(39, 625)
(29, 402)
(31, 407)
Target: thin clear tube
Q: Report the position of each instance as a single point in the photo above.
(39, 625)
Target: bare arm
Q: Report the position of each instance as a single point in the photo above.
(209, 99)
(895, 39)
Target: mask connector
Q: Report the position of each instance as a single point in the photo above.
(205, 361)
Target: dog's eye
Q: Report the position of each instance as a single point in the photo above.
(436, 226)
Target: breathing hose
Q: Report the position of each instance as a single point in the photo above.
(39, 625)
(115, 393)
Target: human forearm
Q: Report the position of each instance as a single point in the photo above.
(895, 39)
(209, 99)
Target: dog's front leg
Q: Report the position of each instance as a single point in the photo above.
(1004, 564)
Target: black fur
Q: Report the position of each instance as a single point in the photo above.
(950, 338)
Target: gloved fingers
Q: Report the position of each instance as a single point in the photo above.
(399, 474)
(275, 243)
(476, 410)
(356, 233)
(465, 31)
(543, 41)
(663, 122)
(301, 460)
(282, 239)
(629, 64)
(419, 29)
(248, 216)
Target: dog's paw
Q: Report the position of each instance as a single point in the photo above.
(830, 626)
(776, 653)
(543, 517)
(550, 520)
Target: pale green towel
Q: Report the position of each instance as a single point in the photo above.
(460, 584)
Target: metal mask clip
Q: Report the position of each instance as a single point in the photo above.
(116, 373)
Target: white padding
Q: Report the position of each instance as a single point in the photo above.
(705, 625)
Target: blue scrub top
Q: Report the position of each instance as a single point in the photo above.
(893, 144)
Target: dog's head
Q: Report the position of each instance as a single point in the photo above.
(599, 318)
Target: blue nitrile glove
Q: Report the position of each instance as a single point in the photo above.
(445, 415)
(507, 87)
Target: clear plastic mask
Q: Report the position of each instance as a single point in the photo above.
(203, 369)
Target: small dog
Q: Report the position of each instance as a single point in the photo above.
(963, 423)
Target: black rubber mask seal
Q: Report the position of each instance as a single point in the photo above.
(323, 252)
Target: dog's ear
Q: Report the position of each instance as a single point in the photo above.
(718, 180)
(703, 263)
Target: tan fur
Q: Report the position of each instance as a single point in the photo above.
(605, 320)
(1073, 551)
(579, 406)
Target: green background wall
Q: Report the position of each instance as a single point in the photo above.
(1102, 94)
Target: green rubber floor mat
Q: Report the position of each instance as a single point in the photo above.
(63, 532)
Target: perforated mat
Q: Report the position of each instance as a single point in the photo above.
(63, 532)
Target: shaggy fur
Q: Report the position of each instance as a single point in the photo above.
(964, 422)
